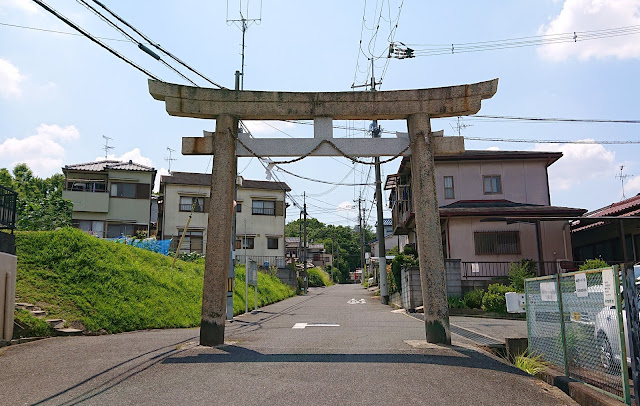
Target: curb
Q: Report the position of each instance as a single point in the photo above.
(578, 391)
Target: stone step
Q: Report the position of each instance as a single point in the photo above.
(68, 332)
(38, 313)
(56, 323)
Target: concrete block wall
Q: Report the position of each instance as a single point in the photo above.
(453, 268)
(411, 288)
(288, 277)
(8, 269)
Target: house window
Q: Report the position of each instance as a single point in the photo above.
(448, 187)
(242, 241)
(272, 243)
(492, 184)
(238, 207)
(92, 227)
(264, 207)
(186, 202)
(123, 190)
(86, 185)
(192, 241)
(115, 230)
(497, 242)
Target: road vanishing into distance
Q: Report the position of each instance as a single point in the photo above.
(334, 346)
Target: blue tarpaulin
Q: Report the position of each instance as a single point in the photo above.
(150, 244)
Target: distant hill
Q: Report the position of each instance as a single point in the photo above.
(116, 287)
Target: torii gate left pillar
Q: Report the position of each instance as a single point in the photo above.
(415, 106)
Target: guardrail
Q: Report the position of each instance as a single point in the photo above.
(263, 261)
(472, 270)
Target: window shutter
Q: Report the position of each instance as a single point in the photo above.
(279, 208)
(142, 190)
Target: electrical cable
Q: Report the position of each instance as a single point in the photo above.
(59, 32)
(155, 45)
(133, 40)
(94, 39)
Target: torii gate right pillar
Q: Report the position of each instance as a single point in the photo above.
(428, 235)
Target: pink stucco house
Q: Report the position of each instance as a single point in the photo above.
(481, 185)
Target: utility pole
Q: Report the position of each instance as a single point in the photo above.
(232, 257)
(382, 252)
(360, 218)
(304, 247)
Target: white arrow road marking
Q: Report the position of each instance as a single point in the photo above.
(303, 325)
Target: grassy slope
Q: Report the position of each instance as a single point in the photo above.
(115, 287)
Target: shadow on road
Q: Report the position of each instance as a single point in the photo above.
(460, 357)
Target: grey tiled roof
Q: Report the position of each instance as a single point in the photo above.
(99, 166)
(204, 179)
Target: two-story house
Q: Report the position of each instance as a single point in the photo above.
(483, 185)
(260, 215)
(110, 198)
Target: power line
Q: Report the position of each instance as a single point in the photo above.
(59, 32)
(92, 38)
(539, 40)
(599, 142)
(562, 120)
(155, 45)
(141, 46)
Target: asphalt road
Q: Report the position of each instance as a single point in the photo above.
(348, 353)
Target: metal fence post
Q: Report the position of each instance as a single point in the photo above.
(630, 297)
(563, 331)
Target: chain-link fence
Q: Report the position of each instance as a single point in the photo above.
(587, 342)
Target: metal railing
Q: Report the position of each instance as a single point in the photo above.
(8, 209)
(263, 261)
(574, 322)
(501, 269)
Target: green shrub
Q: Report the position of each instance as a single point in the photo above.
(318, 277)
(593, 264)
(519, 271)
(456, 302)
(494, 300)
(531, 364)
(473, 298)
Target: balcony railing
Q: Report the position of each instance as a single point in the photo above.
(8, 202)
(401, 207)
(263, 261)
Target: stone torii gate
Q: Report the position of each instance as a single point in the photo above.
(415, 106)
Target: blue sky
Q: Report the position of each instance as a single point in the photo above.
(59, 94)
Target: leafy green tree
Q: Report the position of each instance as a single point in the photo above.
(40, 205)
(344, 239)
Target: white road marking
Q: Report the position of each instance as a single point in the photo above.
(354, 301)
(304, 325)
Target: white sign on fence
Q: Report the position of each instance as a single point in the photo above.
(581, 285)
(548, 292)
(252, 275)
(608, 289)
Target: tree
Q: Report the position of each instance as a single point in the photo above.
(344, 239)
(40, 205)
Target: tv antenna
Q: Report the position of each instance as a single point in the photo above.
(170, 158)
(244, 22)
(460, 126)
(106, 148)
(623, 176)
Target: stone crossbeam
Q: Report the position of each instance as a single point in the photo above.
(188, 101)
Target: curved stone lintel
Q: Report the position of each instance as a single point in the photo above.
(188, 101)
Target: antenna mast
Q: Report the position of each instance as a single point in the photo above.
(170, 158)
(622, 176)
(459, 126)
(106, 148)
(244, 22)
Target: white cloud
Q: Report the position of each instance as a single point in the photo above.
(632, 187)
(42, 152)
(134, 155)
(25, 5)
(10, 79)
(591, 15)
(580, 162)
(346, 206)
(161, 172)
